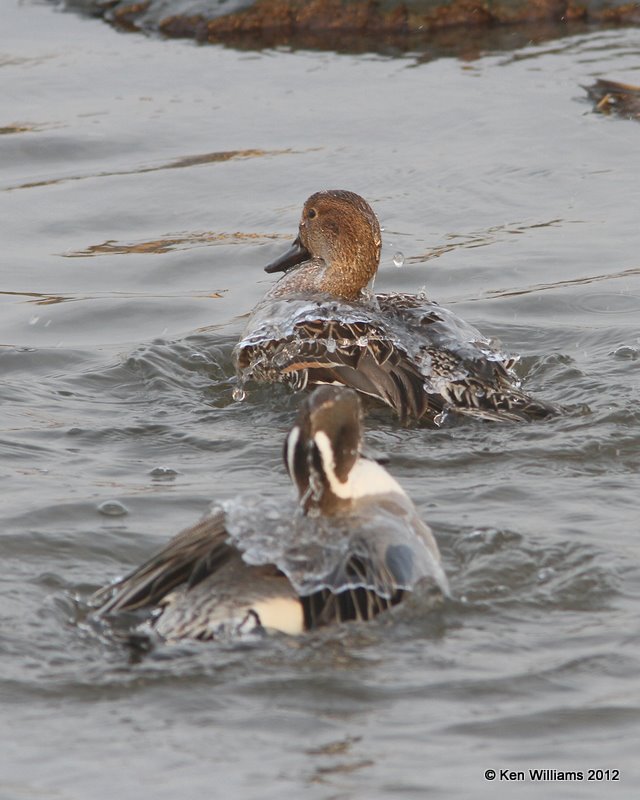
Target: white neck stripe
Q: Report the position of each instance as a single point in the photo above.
(292, 441)
(325, 449)
(365, 478)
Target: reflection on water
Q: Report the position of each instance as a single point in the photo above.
(169, 243)
(117, 395)
(17, 129)
(483, 238)
(180, 163)
(47, 300)
(621, 299)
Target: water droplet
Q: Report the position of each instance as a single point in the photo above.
(238, 394)
(626, 352)
(34, 320)
(362, 341)
(113, 508)
(331, 344)
(440, 419)
(281, 359)
(163, 473)
(398, 259)
(368, 295)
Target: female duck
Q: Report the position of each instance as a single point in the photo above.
(354, 548)
(319, 324)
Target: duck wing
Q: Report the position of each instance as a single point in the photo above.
(470, 374)
(191, 556)
(373, 574)
(301, 343)
(344, 567)
(409, 353)
(359, 355)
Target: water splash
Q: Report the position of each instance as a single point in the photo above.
(398, 259)
(238, 394)
(331, 344)
(113, 508)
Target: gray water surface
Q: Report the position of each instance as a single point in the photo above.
(143, 185)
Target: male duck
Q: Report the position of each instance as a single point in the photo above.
(319, 324)
(352, 550)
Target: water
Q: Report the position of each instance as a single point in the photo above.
(144, 188)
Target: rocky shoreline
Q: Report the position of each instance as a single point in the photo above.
(355, 24)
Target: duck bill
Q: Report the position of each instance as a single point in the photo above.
(295, 255)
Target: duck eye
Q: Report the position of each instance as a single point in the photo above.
(311, 213)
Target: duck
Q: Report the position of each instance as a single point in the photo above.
(621, 98)
(321, 323)
(352, 547)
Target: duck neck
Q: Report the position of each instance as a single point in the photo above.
(321, 501)
(346, 278)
